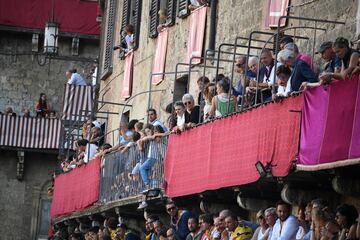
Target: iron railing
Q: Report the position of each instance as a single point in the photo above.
(117, 180)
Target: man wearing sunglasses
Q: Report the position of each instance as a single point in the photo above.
(178, 220)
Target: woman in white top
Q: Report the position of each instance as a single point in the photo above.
(261, 230)
(209, 93)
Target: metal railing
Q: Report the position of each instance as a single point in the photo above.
(120, 177)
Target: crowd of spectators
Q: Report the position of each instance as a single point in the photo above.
(295, 70)
(42, 109)
(313, 221)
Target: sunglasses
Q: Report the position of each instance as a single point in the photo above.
(170, 209)
(187, 103)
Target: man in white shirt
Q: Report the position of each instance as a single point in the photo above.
(74, 78)
(90, 152)
(270, 218)
(153, 120)
(286, 226)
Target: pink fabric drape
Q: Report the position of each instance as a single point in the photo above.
(128, 75)
(77, 189)
(196, 34)
(330, 123)
(277, 8)
(223, 153)
(160, 56)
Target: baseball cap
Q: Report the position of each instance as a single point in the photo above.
(323, 47)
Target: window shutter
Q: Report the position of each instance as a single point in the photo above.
(154, 18)
(136, 22)
(109, 39)
(183, 8)
(171, 12)
(125, 17)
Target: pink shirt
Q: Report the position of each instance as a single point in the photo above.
(306, 58)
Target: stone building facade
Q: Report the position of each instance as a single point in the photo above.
(234, 18)
(23, 79)
(24, 204)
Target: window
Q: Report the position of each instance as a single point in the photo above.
(161, 12)
(183, 8)
(108, 43)
(180, 88)
(131, 15)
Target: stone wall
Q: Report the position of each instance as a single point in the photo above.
(22, 79)
(20, 200)
(234, 18)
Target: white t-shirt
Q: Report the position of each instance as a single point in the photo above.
(129, 39)
(180, 120)
(285, 231)
(76, 79)
(89, 152)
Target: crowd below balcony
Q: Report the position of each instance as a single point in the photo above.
(315, 220)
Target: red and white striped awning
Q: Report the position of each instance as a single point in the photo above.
(77, 102)
(29, 132)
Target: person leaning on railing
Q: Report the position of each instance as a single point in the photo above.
(152, 155)
(222, 104)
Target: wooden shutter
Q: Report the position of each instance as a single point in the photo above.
(135, 21)
(183, 8)
(171, 12)
(125, 17)
(154, 18)
(109, 39)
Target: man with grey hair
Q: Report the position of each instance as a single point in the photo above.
(294, 48)
(192, 109)
(270, 218)
(301, 71)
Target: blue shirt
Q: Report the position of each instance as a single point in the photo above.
(76, 79)
(157, 122)
(122, 140)
(301, 72)
(250, 74)
(335, 62)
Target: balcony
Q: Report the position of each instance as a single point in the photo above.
(115, 180)
(227, 153)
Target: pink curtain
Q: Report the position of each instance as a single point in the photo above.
(223, 153)
(77, 189)
(128, 75)
(196, 34)
(160, 56)
(277, 8)
(330, 123)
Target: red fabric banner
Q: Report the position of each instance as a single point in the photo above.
(77, 189)
(74, 16)
(330, 120)
(160, 56)
(277, 8)
(196, 34)
(128, 75)
(223, 153)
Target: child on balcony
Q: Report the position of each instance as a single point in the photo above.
(151, 154)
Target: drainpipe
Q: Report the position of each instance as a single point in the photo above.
(212, 35)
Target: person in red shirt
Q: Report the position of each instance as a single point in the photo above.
(42, 108)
